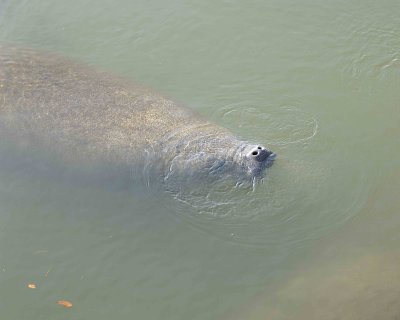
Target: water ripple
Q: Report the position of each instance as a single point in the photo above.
(297, 201)
(280, 125)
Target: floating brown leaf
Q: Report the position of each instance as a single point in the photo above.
(64, 303)
(32, 286)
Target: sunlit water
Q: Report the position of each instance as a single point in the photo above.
(317, 82)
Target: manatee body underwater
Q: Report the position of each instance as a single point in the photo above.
(87, 118)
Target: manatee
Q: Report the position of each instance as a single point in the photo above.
(86, 117)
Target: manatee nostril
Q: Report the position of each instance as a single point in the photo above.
(259, 148)
(261, 155)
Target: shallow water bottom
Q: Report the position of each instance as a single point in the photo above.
(338, 281)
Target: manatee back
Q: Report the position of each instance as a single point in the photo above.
(78, 112)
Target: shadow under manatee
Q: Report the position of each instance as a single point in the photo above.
(354, 274)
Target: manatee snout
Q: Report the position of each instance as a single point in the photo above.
(258, 158)
(261, 154)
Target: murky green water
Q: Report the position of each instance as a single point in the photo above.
(317, 82)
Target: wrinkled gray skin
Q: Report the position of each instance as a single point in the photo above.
(84, 116)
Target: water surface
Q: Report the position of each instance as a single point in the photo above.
(317, 82)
